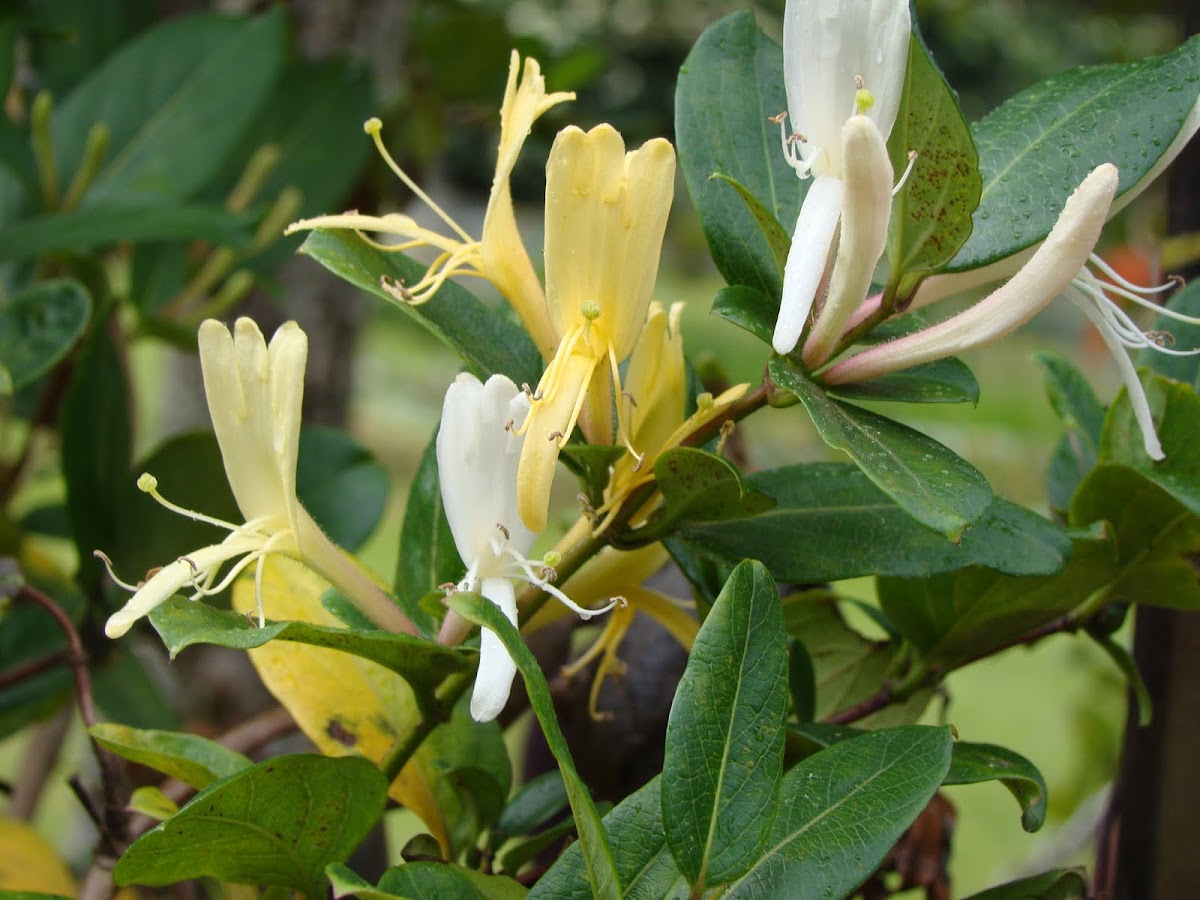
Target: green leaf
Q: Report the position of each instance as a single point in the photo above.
(591, 464)
(598, 857)
(517, 853)
(423, 664)
(175, 102)
(960, 616)
(1124, 661)
(539, 799)
(153, 803)
(698, 486)
(847, 667)
(39, 326)
(425, 881)
(1184, 336)
(1060, 884)
(341, 485)
(100, 226)
(1037, 147)
(934, 485)
(974, 763)
(778, 240)
(724, 743)
(1176, 410)
(748, 309)
(488, 341)
(427, 555)
(1080, 411)
(931, 217)
(644, 862)
(268, 824)
(831, 523)
(802, 681)
(95, 431)
(941, 381)
(841, 810)
(190, 758)
(969, 764)
(1153, 532)
(729, 86)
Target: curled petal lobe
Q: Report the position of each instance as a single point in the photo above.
(866, 212)
(493, 681)
(807, 258)
(1042, 278)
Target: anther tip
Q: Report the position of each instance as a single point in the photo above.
(372, 126)
(147, 483)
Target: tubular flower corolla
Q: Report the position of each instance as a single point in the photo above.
(499, 256)
(606, 212)
(478, 450)
(254, 395)
(842, 61)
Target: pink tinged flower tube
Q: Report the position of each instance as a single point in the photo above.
(832, 51)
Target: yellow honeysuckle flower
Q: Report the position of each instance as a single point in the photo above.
(656, 379)
(606, 212)
(499, 256)
(254, 394)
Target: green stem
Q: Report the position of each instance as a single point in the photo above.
(402, 751)
(43, 148)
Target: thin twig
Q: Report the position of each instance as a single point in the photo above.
(863, 708)
(112, 775)
(30, 668)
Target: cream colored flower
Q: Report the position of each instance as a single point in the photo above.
(499, 256)
(254, 395)
(606, 212)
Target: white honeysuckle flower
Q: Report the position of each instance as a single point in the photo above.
(840, 59)
(478, 451)
(254, 394)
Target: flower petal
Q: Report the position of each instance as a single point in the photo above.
(493, 682)
(807, 258)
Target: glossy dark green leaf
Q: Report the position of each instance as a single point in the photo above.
(831, 523)
(936, 486)
(39, 326)
(488, 341)
(969, 764)
(778, 240)
(975, 763)
(959, 616)
(72, 37)
(1036, 148)
(427, 555)
(729, 86)
(644, 862)
(175, 102)
(269, 824)
(591, 464)
(539, 799)
(747, 308)
(724, 744)
(1153, 532)
(192, 759)
(181, 623)
(598, 857)
(1183, 336)
(931, 216)
(1082, 415)
(103, 226)
(847, 667)
(802, 681)
(1060, 884)
(341, 485)
(523, 850)
(822, 844)
(698, 486)
(425, 881)
(95, 429)
(1176, 411)
(942, 381)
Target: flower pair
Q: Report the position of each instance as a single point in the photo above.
(844, 67)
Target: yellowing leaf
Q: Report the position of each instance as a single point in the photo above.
(343, 703)
(29, 863)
